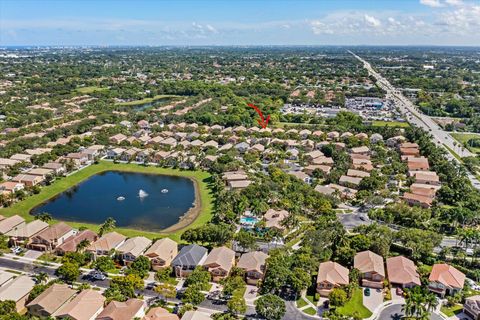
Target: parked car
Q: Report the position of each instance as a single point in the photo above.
(97, 275)
(367, 292)
(16, 250)
(399, 291)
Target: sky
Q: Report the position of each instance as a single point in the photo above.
(239, 22)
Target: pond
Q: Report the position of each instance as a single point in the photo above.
(154, 103)
(139, 201)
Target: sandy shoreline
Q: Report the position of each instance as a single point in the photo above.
(189, 216)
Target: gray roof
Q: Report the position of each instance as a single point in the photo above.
(190, 255)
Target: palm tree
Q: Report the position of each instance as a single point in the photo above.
(107, 226)
(44, 216)
(41, 277)
(82, 245)
(431, 302)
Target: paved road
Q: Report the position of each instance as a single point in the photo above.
(440, 137)
(394, 312)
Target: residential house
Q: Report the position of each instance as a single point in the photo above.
(417, 200)
(41, 172)
(402, 272)
(9, 187)
(11, 223)
(274, 218)
(85, 306)
(118, 138)
(364, 150)
(331, 275)
(132, 248)
(130, 309)
(325, 190)
(426, 177)
(50, 300)
(28, 179)
(445, 280)
(349, 181)
(188, 259)
(418, 164)
(195, 315)
(371, 269)
(106, 244)
(254, 265)
(21, 157)
(219, 262)
(17, 290)
(242, 147)
(70, 245)
(58, 168)
(161, 253)
(471, 307)
(159, 313)
(22, 234)
(51, 237)
(6, 276)
(301, 176)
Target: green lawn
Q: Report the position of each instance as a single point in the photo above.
(451, 311)
(301, 303)
(91, 89)
(145, 100)
(311, 311)
(202, 179)
(464, 137)
(378, 123)
(355, 306)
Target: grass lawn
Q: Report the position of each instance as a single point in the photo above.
(451, 311)
(311, 311)
(464, 137)
(145, 100)
(202, 179)
(301, 302)
(378, 123)
(91, 89)
(355, 306)
(453, 153)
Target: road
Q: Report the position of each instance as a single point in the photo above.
(440, 137)
(394, 312)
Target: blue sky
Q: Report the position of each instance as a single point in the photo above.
(235, 22)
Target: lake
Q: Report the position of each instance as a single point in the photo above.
(96, 199)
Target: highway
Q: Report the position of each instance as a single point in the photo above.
(415, 117)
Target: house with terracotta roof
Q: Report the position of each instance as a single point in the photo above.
(195, 315)
(128, 310)
(133, 248)
(10, 223)
(21, 234)
(426, 177)
(85, 306)
(106, 244)
(118, 138)
(471, 307)
(331, 275)
(161, 253)
(371, 268)
(347, 181)
(28, 179)
(417, 200)
(402, 272)
(445, 280)
(159, 313)
(418, 164)
(273, 218)
(254, 265)
(219, 262)
(17, 290)
(70, 245)
(50, 300)
(360, 150)
(51, 237)
(9, 187)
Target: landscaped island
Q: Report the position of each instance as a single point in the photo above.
(81, 200)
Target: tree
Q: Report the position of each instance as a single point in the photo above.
(44, 216)
(199, 277)
(338, 297)
(107, 226)
(232, 284)
(82, 245)
(246, 239)
(166, 290)
(122, 288)
(300, 279)
(193, 295)
(163, 275)
(104, 264)
(237, 305)
(140, 266)
(41, 277)
(270, 306)
(69, 271)
(7, 307)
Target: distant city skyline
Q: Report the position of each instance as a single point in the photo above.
(216, 22)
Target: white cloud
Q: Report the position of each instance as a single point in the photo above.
(454, 2)
(372, 21)
(432, 3)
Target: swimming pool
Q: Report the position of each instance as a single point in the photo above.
(249, 221)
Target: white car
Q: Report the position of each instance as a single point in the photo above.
(97, 275)
(16, 250)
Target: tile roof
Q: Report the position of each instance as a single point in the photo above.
(402, 271)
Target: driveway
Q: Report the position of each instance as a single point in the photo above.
(32, 254)
(459, 316)
(374, 300)
(250, 295)
(394, 312)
